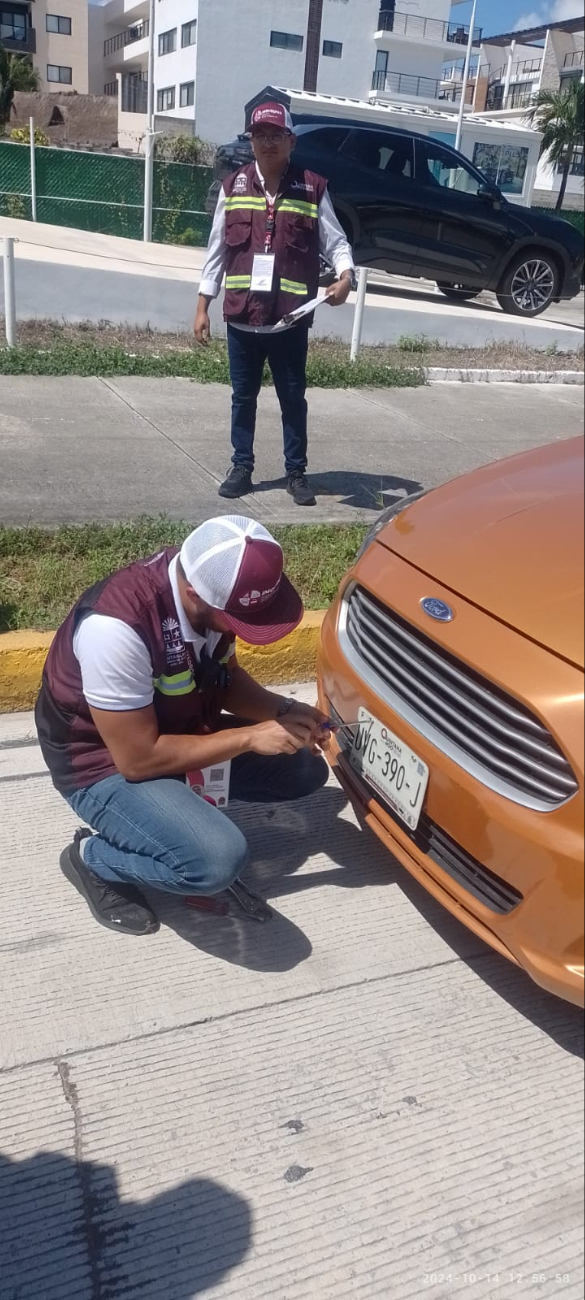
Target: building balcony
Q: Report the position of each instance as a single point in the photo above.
(452, 94)
(413, 28)
(574, 59)
(17, 39)
(121, 41)
(111, 89)
(404, 85)
(518, 97)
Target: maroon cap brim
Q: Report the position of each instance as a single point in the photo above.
(272, 623)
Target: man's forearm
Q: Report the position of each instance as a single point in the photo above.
(247, 699)
(176, 755)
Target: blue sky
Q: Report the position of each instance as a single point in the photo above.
(505, 15)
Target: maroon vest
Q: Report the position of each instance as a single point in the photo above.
(186, 692)
(295, 244)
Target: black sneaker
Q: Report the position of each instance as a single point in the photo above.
(299, 489)
(237, 484)
(118, 907)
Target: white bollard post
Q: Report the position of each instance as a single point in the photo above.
(148, 185)
(358, 319)
(33, 169)
(9, 293)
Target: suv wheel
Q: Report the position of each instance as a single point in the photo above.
(456, 291)
(529, 285)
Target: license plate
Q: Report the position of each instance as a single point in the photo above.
(390, 767)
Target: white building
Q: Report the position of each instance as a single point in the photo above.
(211, 56)
(514, 68)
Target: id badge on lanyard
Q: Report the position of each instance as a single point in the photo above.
(264, 263)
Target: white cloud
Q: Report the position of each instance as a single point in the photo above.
(552, 12)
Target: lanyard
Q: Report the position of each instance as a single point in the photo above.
(270, 224)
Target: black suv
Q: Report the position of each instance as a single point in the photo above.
(413, 206)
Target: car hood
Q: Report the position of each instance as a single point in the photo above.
(508, 538)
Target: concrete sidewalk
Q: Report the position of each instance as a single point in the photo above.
(357, 1100)
(104, 449)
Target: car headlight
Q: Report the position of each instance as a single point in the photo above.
(385, 517)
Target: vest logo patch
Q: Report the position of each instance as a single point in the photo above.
(241, 184)
(174, 646)
(301, 185)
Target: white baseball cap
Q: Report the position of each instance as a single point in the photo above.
(235, 565)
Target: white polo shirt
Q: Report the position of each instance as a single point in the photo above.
(116, 667)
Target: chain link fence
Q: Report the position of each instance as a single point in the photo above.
(104, 193)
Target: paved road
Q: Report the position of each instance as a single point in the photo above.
(394, 309)
(75, 449)
(359, 1100)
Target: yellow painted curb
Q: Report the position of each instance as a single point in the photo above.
(22, 656)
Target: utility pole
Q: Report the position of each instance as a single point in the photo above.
(313, 54)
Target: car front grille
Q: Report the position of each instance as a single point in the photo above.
(487, 732)
(490, 890)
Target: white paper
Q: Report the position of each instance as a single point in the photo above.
(292, 317)
(262, 273)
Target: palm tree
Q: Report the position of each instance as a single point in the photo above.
(16, 73)
(559, 114)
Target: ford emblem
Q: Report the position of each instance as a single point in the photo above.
(437, 609)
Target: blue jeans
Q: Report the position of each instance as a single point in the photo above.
(159, 834)
(286, 354)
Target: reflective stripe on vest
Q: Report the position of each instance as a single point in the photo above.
(294, 286)
(238, 281)
(179, 684)
(245, 201)
(297, 205)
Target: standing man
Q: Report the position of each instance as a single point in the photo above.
(272, 222)
(131, 702)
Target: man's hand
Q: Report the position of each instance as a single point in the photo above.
(307, 713)
(339, 292)
(202, 327)
(285, 736)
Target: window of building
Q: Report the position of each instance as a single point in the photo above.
(577, 166)
(57, 73)
(13, 26)
(187, 94)
(332, 49)
(503, 164)
(286, 41)
(165, 99)
(55, 23)
(167, 42)
(188, 33)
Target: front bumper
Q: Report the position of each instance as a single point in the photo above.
(537, 855)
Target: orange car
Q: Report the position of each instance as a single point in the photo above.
(452, 663)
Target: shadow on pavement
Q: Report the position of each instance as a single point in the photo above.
(360, 491)
(65, 1232)
(282, 838)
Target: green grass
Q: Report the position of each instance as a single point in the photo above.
(206, 365)
(42, 572)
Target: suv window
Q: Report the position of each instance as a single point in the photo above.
(327, 137)
(381, 151)
(435, 166)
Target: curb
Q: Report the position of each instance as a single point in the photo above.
(23, 654)
(440, 375)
